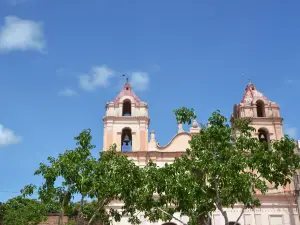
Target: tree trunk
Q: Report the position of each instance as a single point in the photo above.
(219, 201)
(98, 209)
(203, 220)
(61, 216)
(224, 213)
(92, 219)
(172, 216)
(62, 211)
(80, 213)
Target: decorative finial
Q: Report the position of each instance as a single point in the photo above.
(195, 124)
(249, 80)
(152, 135)
(180, 129)
(124, 75)
(195, 127)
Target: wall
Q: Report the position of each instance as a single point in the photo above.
(53, 220)
(267, 214)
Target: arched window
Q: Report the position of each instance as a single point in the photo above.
(126, 108)
(233, 223)
(263, 135)
(169, 223)
(260, 106)
(126, 140)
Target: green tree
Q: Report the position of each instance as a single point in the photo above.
(233, 167)
(1, 212)
(115, 179)
(25, 211)
(170, 189)
(75, 167)
(57, 198)
(98, 182)
(220, 169)
(184, 115)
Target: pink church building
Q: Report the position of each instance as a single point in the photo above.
(126, 123)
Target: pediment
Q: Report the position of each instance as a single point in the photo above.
(180, 142)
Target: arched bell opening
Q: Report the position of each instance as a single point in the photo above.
(260, 107)
(263, 135)
(233, 223)
(126, 111)
(126, 140)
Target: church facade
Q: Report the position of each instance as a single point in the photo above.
(126, 123)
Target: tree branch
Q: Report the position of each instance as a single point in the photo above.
(219, 201)
(97, 210)
(207, 222)
(240, 215)
(172, 216)
(62, 212)
(244, 207)
(80, 213)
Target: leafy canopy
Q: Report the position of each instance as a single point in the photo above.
(21, 210)
(220, 169)
(185, 115)
(223, 166)
(115, 179)
(111, 177)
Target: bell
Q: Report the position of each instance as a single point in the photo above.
(262, 137)
(126, 139)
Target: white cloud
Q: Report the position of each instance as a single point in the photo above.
(98, 77)
(16, 2)
(8, 137)
(140, 81)
(288, 81)
(19, 34)
(61, 70)
(291, 81)
(155, 68)
(68, 92)
(291, 131)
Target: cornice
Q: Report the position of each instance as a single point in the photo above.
(156, 154)
(277, 120)
(267, 118)
(126, 118)
(135, 104)
(170, 142)
(261, 119)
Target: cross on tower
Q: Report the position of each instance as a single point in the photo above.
(249, 79)
(124, 75)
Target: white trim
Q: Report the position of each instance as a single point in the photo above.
(126, 97)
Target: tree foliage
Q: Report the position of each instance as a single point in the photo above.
(25, 211)
(115, 180)
(223, 166)
(111, 177)
(184, 115)
(221, 169)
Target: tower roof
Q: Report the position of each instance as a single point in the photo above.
(251, 93)
(127, 91)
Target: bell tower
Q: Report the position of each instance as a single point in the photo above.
(126, 122)
(264, 113)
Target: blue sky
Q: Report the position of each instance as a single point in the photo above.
(60, 62)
